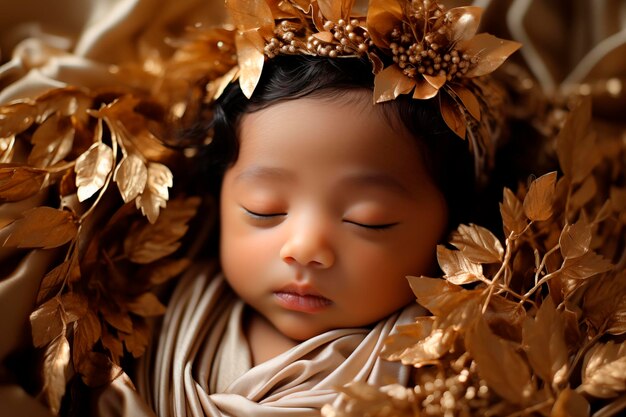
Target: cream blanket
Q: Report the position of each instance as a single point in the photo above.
(201, 364)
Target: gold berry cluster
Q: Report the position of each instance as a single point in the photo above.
(344, 38)
(433, 54)
(452, 394)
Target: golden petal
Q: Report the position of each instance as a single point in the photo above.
(404, 86)
(334, 10)
(251, 59)
(490, 51)
(303, 5)
(388, 84)
(382, 17)
(452, 115)
(468, 99)
(436, 81)
(465, 21)
(251, 14)
(424, 89)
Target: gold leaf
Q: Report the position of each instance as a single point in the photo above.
(457, 268)
(437, 295)
(437, 81)
(132, 129)
(585, 266)
(156, 194)
(465, 22)
(538, 202)
(425, 351)
(490, 52)
(325, 36)
(389, 83)
(131, 176)
(334, 10)
(52, 281)
(405, 337)
(604, 370)
(382, 17)
(575, 239)
(146, 305)
(7, 146)
(423, 89)
(92, 169)
(499, 364)
(544, 343)
(75, 306)
(505, 318)
(604, 304)
(118, 319)
(512, 212)
(147, 243)
(19, 183)
(98, 370)
(55, 372)
(164, 269)
(248, 15)
(16, 118)
(47, 322)
(478, 244)
(585, 193)
(468, 99)
(52, 141)
(113, 345)
(452, 115)
(618, 199)
(42, 227)
(138, 340)
(575, 146)
(570, 404)
(250, 55)
(87, 331)
(65, 102)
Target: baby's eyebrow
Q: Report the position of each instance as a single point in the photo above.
(375, 179)
(259, 172)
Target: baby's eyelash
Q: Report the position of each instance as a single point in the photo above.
(379, 227)
(262, 216)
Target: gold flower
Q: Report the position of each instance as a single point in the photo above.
(432, 50)
(266, 28)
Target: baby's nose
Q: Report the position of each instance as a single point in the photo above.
(308, 245)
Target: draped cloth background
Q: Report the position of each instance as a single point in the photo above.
(569, 45)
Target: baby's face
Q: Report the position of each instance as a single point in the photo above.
(325, 212)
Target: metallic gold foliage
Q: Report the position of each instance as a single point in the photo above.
(538, 328)
(528, 324)
(42, 227)
(18, 183)
(93, 304)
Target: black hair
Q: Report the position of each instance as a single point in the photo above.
(447, 157)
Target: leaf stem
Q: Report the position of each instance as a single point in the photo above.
(545, 278)
(582, 352)
(104, 187)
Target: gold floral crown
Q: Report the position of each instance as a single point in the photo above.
(415, 46)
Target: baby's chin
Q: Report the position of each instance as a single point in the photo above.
(307, 328)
